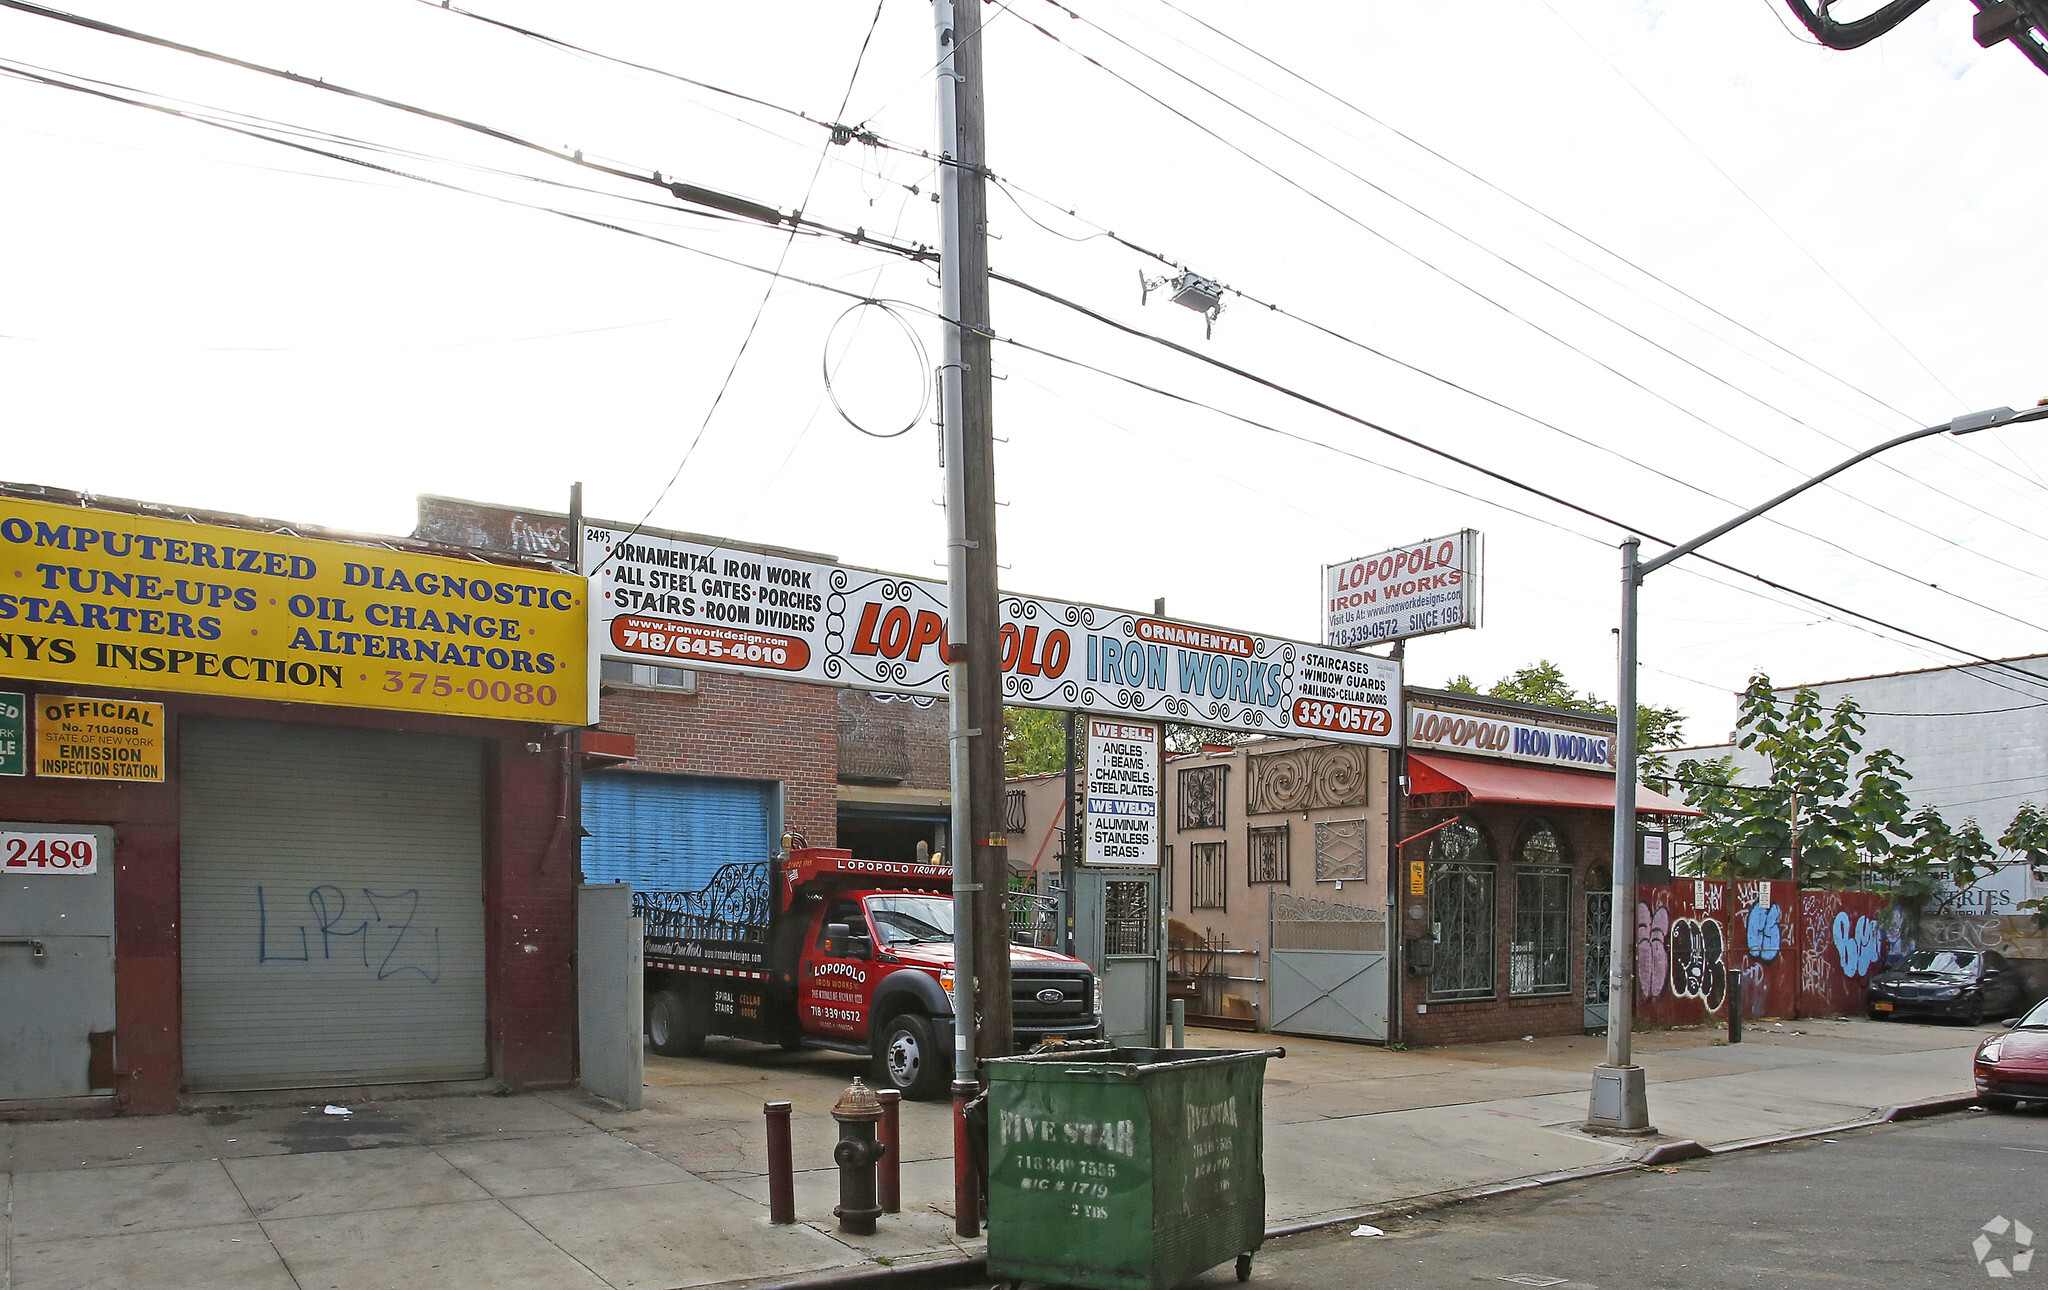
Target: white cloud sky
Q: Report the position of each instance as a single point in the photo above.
(192, 316)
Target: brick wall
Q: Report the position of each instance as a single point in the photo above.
(529, 891)
(741, 727)
(1587, 839)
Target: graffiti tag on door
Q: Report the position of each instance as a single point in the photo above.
(380, 932)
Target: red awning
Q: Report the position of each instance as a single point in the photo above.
(1501, 781)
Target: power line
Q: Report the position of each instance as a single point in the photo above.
(1569, 434)
(759, 309)
(1342, 213)
(2034, 481)
(1447, 455)
(777, 274)
(1782, 230)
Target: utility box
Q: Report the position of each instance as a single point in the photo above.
(1125, 1168)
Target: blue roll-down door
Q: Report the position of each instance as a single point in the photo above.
(674, 833)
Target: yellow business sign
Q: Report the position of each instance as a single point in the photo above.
(79, 738)
(91, 597)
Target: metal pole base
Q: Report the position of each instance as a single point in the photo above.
(1621, 1101)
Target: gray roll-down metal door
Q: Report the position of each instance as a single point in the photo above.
(332, 892)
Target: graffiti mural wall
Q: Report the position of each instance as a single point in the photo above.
(1844, 936)
(1699, 940)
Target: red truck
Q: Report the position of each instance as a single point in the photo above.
(818, 947)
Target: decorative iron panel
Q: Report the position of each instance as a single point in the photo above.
(1166, 876)
(1266, 856)
(1127, 920)
(1013, 810)
(874, 745)
(1206, 864)
(1309, 923)
(1462, 909)
(1599, 944)
(1201, 797)
(1304, 779)
(1539, 956)
(1340, 851)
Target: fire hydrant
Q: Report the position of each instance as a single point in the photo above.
(857, 1153)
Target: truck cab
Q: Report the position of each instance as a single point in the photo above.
(859, 957)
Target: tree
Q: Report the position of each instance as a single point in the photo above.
(1543, 682)
(1035, 741)
(1820, 818)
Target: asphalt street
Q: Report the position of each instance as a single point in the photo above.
(1899, 1206)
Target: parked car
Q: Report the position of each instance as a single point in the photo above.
(1970, 984)
(2013, 1067)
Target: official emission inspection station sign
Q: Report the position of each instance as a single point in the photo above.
(104, 598)
(1123, 793)
(80, 738)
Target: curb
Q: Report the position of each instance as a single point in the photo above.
(943, 1272)
(935, 1272)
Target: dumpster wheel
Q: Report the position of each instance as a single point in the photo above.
(1244, 1267)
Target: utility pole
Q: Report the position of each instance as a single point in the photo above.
(980, 841)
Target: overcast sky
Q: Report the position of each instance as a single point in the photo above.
(1763, 256)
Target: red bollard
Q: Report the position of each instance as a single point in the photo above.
(966, 1181)
(889, 1183)
(781, 1172)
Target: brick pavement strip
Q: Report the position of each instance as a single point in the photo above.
(560, 1190)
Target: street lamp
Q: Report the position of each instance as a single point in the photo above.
(1620, 1100)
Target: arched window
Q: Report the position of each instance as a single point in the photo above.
(1539, 956)
(1462, 912)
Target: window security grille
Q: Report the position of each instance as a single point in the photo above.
(1205, 875)
(1266, 858)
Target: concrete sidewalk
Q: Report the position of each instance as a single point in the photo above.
(558, 1190)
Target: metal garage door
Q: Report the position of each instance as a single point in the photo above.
(675, 832)
(1328, 963)
(332, 888)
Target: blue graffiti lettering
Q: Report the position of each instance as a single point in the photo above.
(328, 904)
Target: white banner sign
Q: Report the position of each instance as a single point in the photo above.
(1429, 587)
(724, 608)
(1123, 793)
(1455, 731)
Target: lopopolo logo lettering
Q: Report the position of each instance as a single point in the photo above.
(846, 970)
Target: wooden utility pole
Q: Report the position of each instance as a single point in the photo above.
(971, 515)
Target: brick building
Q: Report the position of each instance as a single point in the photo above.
(287, 808)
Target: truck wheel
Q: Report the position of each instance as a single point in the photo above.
(673, 1026)
(907, 1058)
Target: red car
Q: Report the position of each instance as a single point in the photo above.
(2013, 1067)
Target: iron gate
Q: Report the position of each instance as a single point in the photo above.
(1599, 942)
(1328, 967)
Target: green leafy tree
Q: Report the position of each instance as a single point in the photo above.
(1822, 817)
(1035, 741)
(2027, 839)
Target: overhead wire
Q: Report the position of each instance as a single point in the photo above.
(1352, 218)
(760, 308)
(2029, 478)
(777, 274)
(1587, 441)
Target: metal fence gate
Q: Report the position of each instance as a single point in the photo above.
(1599, 942)
(1117, 932)
(1328, 968)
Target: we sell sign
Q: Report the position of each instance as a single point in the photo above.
(1123, 793)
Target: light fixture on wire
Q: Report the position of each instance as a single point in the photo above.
(1190, 291)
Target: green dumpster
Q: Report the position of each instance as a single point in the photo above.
(1125, 1168)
